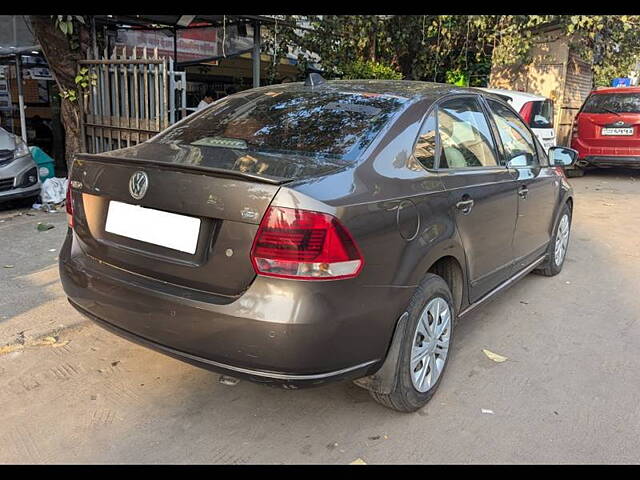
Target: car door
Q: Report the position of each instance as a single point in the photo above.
(537, 186)
(481, 190)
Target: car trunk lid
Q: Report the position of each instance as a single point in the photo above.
(228, 206)
(610, 131)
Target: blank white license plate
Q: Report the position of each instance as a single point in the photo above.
(170, 230)
(617, 131)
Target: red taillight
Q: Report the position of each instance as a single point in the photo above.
(304, 245)
(69, 205)
(574, 129)
(526, 112)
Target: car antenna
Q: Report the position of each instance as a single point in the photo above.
(314, 79)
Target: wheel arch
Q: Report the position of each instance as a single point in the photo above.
(567, 199)
(569, 202)
(450, 269)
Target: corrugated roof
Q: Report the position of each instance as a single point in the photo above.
(15, 35)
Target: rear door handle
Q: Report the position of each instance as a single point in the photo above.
(465, 205)
(523, 192)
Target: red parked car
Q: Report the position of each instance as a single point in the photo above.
(606, 131)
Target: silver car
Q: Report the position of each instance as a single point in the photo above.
(18, 172)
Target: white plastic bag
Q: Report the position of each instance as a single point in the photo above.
(54, 190)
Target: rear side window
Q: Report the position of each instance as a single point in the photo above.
(612, 103)
(331, 123)
(425, 151)
(542, 114)
(465, 137)
(517, 140)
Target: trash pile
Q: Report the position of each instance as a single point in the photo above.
(53, 194)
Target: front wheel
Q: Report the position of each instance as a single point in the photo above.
(557, 249)
(425, 347)
(574, 172)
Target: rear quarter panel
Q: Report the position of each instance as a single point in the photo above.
(397, 211)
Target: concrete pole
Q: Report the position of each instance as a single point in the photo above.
(256, 55)
(23, 121)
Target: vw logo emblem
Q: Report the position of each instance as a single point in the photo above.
(138, 184)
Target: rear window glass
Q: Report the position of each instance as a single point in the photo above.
(330, 123)
(612, 103)
(542, 114)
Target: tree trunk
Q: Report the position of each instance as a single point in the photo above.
(372, 40)
(63, 63)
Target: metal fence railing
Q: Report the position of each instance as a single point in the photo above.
(135, 97)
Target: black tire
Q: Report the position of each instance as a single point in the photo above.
(27, 202)
(574, 172)
(550, 268)
(405, 397)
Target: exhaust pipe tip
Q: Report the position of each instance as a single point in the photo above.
(582, 163)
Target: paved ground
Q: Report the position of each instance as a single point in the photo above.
(567, 394)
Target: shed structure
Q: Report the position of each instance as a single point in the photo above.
(555, 71)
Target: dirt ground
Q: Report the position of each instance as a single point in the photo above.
(568, 393)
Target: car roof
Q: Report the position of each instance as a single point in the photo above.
(514, 94)
(407, 89)
(617, 90)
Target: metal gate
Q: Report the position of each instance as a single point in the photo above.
(134, 98)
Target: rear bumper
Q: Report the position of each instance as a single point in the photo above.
(278, 331)
(613, 161)
(256, 376)
(606, 156)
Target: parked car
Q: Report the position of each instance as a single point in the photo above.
(18, 171)
(606, 130)
(535, 110)
(301, 233)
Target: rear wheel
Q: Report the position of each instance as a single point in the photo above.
(425, 347)
(557, 249)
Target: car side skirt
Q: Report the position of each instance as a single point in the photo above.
(504, 285)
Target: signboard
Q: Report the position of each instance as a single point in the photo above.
(5, 99)
(193, 44)
(621, 82)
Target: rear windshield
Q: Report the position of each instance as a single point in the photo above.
(329, 123)
(542, 114)
(612, 103)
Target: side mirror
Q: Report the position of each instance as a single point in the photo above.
(562, 156)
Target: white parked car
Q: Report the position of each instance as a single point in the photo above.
(536, 110)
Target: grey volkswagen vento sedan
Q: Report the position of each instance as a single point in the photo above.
(301, 233)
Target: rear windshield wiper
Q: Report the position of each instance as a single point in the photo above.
(611, 111)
